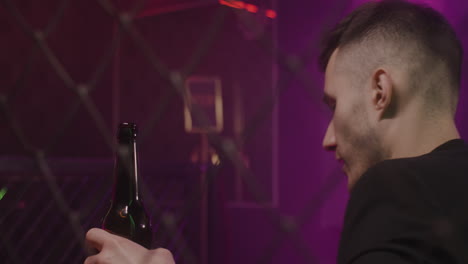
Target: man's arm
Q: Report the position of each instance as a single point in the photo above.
(118, 250)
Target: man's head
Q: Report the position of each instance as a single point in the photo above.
(391, 67)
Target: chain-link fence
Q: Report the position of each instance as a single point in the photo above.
(72, 70)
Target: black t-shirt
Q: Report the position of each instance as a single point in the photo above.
(410, 210)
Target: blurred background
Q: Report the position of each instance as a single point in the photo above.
(71, 71)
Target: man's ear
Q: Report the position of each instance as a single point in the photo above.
(382, 92)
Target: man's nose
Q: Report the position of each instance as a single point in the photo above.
(329, 140)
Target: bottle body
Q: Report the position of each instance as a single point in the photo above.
(127, 216)
(129, 221)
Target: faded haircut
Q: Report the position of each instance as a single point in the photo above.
(409, 26)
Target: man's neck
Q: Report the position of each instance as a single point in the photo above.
(413, 137)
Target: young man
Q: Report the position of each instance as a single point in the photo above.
(392, 75)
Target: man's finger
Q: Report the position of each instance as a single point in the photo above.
(91, 260)
(96, 237)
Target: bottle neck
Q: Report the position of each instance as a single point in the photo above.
(126, 173)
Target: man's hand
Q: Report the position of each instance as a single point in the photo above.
(118, 250)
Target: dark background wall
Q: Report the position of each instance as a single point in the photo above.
(302, 184)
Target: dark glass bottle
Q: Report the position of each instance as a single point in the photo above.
(126, 216)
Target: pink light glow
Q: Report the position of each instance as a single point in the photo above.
(251, 8)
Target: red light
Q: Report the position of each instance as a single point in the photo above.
(233, 3)
(251, 8)
(270, 13)
(248, 7)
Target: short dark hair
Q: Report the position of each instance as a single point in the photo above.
(422, 24)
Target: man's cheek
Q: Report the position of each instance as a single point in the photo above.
(342, 130)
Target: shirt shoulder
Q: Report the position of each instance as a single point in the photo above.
(396, 207)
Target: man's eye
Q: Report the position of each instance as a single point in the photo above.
(330, 102)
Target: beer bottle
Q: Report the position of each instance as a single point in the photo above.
(126, 216)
